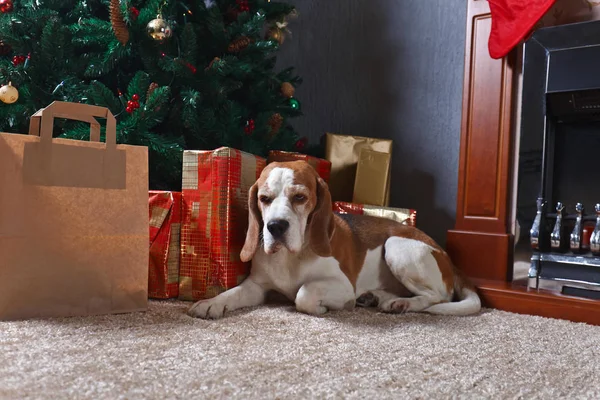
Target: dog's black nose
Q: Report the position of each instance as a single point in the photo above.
(278, 227)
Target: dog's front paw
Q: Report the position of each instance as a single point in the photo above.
(208, 309)
(315, 308)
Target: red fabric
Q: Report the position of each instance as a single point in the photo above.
(512, 20)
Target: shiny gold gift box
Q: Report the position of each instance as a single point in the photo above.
(344, 152)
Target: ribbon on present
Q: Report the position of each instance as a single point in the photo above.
(165, 224)
(406, 216)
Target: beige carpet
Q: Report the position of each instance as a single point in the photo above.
(274, 352)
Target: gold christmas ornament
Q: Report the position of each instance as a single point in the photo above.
(158, 29)
(287, 89)
(9, 94)
(118, 23)
(279, 31)
(239, 44)
(275, 123)
(276, 34)
(153, 86)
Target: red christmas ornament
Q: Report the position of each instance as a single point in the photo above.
(242, 5)
(134, 12)
(6, 6)
(135, 97)
(130, 104)
(129, 109)
(136, 105)
(249, 128)
(301, 143)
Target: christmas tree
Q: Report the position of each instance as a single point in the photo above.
(177, 74)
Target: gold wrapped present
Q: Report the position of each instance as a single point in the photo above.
(372, 183)
(344, 152)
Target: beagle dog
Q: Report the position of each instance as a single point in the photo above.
(324, 261)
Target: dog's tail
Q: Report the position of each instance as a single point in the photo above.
(468, 301)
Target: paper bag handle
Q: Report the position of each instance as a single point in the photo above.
(41, 123)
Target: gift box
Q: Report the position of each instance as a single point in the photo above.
(73, 220)
(344, 153)
(165, 227)
(407, 216)
(372, 183)
(215, 220)
(323, 167)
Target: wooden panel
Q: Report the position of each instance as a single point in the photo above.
(485, 133)
(481, 255)
(482, 170)
(518, 299)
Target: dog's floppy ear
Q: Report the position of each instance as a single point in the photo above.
(254, 225)
(321, 224)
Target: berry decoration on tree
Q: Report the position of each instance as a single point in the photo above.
(275, 123)
(294, 103)
(242, 5)
(133, 104)
(249, 128)
(6, 6)
(118, 23)
(301, 143)
(287, 89)
(18, 60)
(158, 29)
(238, 44)
(9, 94)
(134, 12)
(5, 49)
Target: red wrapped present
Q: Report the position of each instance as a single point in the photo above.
(215, 220)
(165, 224)
(323, 167)
(407, 216)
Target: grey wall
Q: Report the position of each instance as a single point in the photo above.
(389, 69)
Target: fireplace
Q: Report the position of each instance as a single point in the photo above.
(558, 191)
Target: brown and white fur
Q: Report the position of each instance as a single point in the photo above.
(324, 261)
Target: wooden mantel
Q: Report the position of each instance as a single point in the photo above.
(481, 243)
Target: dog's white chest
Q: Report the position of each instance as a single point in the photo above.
(286, 273)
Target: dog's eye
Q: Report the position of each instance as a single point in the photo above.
(265, 199)
(299, 198)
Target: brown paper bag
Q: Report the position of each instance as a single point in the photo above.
(73, 220)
